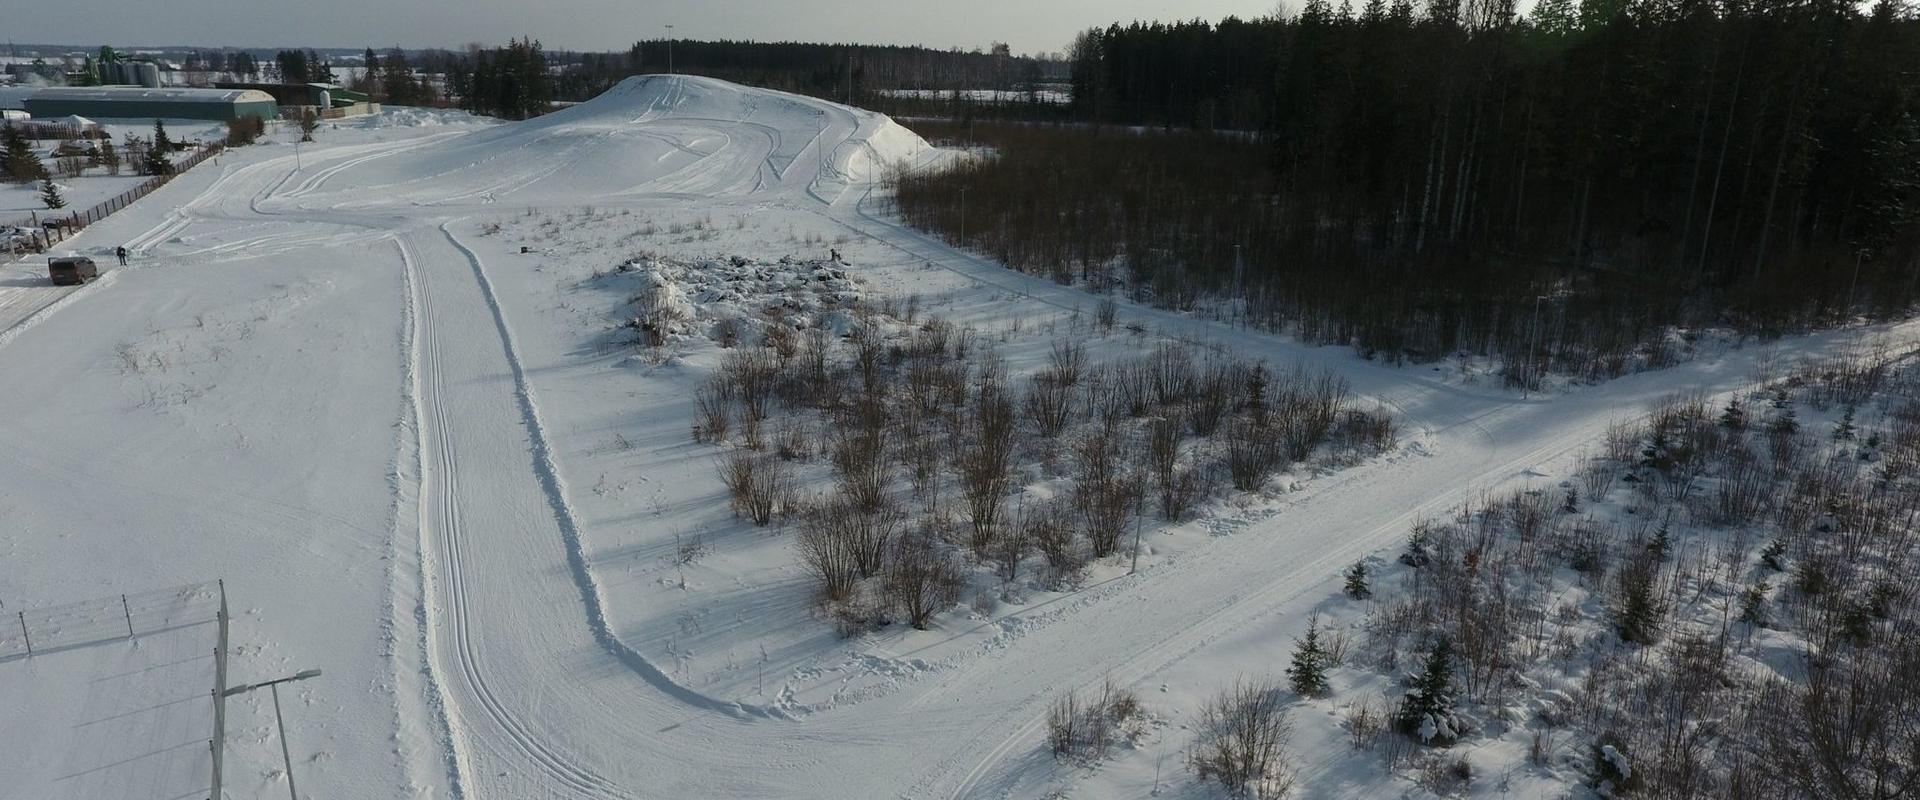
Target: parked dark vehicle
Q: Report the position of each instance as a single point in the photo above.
(71, 270)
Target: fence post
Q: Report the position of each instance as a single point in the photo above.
(129, 613)
(24, 634)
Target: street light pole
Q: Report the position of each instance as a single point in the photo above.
(286, 757)
(963, 216)
(273, 686)
(670, 50)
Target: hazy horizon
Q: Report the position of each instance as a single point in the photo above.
(608, 25)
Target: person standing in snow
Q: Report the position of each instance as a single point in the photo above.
(121, 251)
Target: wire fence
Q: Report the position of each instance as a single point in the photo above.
(104, 619)
(49, 230)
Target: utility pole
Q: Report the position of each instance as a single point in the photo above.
(963, 216)
(670, 51)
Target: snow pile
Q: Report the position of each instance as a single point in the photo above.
(412, 117)
(737, 298)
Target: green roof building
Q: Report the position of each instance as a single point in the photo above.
(135, 102)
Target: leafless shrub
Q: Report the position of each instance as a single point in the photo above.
(1178, 488)
(840, 544)
(1242, 741)
(1067, 361)
(1598, 478)
(688, 551)
(859, 456)
(1105, 489)
(1084, 731)
(791, 442)
(1053, 535)
(985, 464)
(1252, 453)
(1364, 724)
(1049, 403)
(756, 485)
(922, 578)
(782, 340)
(1368, 431)
(714, 406)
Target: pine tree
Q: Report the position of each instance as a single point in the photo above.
(1662, 544)
(1770, 557)
(1753, 604)
(22, 163)
(50, 195)
(158, 162)
(1735, 417)
(1357, 581)
(1308, 672)
(1843, 431)
(1639, 610)
(1426, 713)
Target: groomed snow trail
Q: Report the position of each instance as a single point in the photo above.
(527, 686)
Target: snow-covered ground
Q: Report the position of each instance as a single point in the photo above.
(381, 394)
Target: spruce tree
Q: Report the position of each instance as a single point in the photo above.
(1735, 417)
(1357, 581)
(1661, 545)
(50, 195)
(1308, 671)
(1843, 431)
(1426, 713)
(1770, 557)
(22, 163)
(158, 162)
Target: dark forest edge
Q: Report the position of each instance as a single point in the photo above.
(1562, 192)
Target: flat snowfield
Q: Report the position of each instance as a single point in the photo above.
(410, 452)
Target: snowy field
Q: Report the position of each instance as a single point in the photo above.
(386, 395)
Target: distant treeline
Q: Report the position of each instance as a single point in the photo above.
(1454, 177)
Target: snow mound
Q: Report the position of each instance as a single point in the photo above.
(738, 299)
(671, 135)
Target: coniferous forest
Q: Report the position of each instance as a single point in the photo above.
(1557, 190)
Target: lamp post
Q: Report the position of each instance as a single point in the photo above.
(670, 50)
(963, 216)
(274, 687)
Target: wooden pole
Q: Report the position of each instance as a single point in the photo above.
(129, 612)
(24, 634)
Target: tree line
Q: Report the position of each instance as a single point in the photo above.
(1555, 189)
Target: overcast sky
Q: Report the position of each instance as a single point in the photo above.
(1028, 25)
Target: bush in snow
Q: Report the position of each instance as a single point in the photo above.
(756, 484)
(1084, 730)
(1612, 770)
(922, 578)
(1242, 741)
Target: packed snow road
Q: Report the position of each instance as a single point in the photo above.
(323, 384)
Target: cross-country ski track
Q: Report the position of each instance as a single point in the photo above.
(498, 656)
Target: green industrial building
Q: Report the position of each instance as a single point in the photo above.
(135, 102)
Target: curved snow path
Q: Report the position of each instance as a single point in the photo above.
(539, 695)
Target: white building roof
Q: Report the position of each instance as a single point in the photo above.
(139, 94)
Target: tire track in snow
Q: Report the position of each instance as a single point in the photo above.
(440, 479)
(554, 486)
